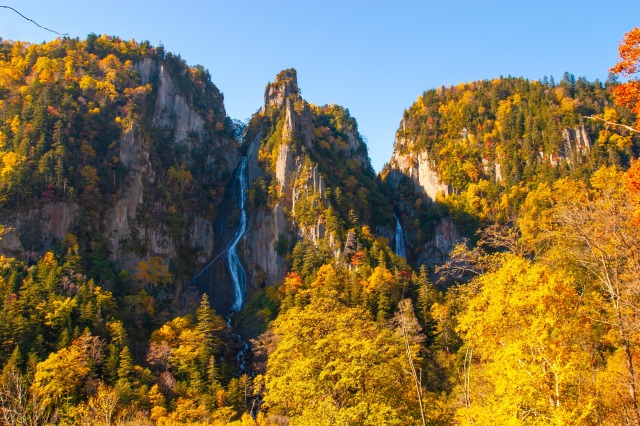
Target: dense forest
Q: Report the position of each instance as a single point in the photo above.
(492, 142)
(531, 318)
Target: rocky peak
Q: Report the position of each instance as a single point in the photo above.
(284, 86)
(419, 167)
(284, 94)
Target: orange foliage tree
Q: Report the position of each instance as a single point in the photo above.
(632, 183)
(628, 94)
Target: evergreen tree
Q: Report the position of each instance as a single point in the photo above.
(207, 324)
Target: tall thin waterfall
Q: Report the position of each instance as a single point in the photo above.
(236, 270)
(230, 256)
(400, 250)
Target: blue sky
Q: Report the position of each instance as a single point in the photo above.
(373, 57)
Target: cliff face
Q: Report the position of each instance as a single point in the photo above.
(436, 251)
(576, 143)
(473, 142)
(268, 224)
(307, 160)
(420, 169)
(25, 233)
(430, 248)
(171, 160)
(284, 87)
(173, 115)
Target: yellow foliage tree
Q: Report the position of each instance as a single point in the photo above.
(64, 372)
(153, 272)
(595, 230)
(100, 409)
(526, 335)
(334, 365)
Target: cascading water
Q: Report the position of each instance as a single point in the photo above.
(400, 251)
(242, 353)
(236, 270)
(232, 260)
(230, 252)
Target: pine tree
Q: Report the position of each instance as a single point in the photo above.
(354, 221)
(382, 259)
(13, 363)
(235, 395)
(427, 296)
(212, 375)
(125, 367)
(59, 152)
(246, 386)
(111, 363)
(310, 260)
(384, 306)
(206, 325)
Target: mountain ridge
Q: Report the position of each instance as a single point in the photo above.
(121, 177)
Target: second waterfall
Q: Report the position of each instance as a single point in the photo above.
(236, 270)
(400, 251)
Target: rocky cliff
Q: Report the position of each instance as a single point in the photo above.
(418, 167)
(268, 224)
(475, 142)
(185, 126)
(155, 155)
(431, 247)
(294, 150)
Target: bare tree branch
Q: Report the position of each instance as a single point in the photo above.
(500, 237)
(629, 128)
(20, 405)
(464, 262)
(28, 19)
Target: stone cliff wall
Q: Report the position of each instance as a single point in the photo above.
(41, 228)
(420, 169)
(28, 233)
(295, 176)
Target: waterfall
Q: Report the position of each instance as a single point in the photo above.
(230, 256)
(230, 252)
(400, 251)
(241, 356)
(236, 270)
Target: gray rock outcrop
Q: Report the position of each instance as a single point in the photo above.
(418, 167)
(296, 178)
(130, 237)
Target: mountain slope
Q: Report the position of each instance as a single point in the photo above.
(311, 182)
(121, 176)
(115, 142)
(484, 145)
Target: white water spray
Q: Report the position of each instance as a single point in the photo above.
(400, 250)
(242, 353)
(236, 270)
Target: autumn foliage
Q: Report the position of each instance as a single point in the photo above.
(632, 183)
(628, 94)
(532, 319)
